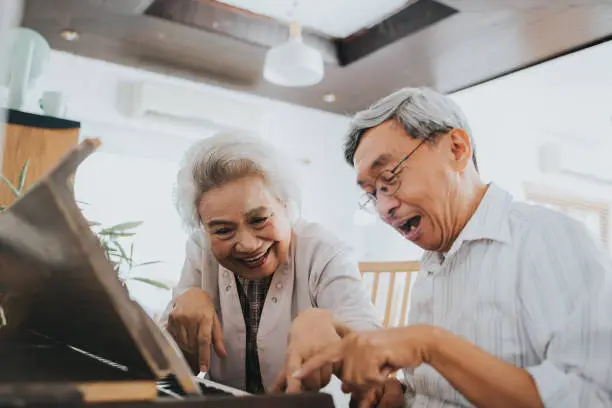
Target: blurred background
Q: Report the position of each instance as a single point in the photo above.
(149, 77)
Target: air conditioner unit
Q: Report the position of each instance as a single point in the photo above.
(575, 160)
(159, 101)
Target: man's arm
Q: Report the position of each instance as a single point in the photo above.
(565, 289)
(566, 299)
(483, 379)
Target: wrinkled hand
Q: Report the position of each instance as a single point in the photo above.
(388, 395)
(194, 324)
(311, 331)
(366, 359)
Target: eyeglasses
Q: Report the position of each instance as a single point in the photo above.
(387, 183)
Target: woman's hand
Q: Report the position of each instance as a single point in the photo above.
(366, 359)
(194, 325)
(311, 331)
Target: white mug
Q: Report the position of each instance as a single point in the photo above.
(53, 103)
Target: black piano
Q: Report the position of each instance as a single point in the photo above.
(69, 333)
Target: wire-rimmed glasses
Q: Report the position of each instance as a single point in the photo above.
(387, 183)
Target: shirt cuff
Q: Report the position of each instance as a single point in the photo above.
(552, 383)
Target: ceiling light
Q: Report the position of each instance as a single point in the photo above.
(294, 63)
(69, 34)
(329, 97)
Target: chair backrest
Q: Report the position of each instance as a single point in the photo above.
(390, 284)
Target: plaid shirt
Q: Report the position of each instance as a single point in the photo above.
(252, 297)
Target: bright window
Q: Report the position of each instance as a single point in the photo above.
(118, 188)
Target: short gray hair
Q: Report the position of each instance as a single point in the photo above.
(422, 112)
(225, 157)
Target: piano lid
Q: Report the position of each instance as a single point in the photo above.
(56, 280)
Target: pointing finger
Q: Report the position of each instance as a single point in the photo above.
(330, 355)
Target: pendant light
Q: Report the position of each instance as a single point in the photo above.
(293, 63)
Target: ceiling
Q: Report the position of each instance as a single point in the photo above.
(446, 44)
(334, 18)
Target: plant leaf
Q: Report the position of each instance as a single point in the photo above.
(123, 254)
(10, 185)
(147, 263)
(151, 282)
(125, 226)
(23, 174)
(115, 234)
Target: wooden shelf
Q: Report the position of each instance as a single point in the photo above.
(43, 140)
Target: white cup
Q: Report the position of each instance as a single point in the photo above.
(53, 103)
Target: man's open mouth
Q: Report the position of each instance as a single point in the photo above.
(411, 224)
(411, 228)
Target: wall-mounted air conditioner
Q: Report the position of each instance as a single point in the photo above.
(588, 162)
(197, 107)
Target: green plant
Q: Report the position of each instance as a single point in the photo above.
(110, 238)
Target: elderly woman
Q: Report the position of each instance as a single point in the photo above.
(255, 275)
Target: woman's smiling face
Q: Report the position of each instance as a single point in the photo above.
(248, 227)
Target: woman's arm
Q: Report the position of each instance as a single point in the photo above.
(340, 289)
(191, 275)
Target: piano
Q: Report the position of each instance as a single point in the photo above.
(69, 333)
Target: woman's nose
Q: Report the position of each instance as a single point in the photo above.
(247, 242)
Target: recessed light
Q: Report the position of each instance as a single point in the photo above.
(69, 34)
(329, 97)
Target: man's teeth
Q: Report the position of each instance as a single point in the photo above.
(412, 228)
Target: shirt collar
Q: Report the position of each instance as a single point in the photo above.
(489, 221)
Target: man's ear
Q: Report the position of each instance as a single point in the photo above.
(461, 148)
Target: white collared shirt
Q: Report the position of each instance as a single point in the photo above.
(530, 286)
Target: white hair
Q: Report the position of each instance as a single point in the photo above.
(225, 157)
(422, 112)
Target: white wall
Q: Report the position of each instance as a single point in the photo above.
(131, 177)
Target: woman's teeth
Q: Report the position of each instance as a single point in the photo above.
(256, 261)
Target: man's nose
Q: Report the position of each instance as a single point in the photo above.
(386, 206)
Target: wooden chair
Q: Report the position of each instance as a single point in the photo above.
(390, 284)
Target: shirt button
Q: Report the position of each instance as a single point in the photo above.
(226, 275)
(430, 273)
(279, 286)
(274, 300)
(228, 288)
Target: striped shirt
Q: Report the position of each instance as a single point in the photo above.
(530, 286)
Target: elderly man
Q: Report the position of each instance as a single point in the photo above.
(512, 305)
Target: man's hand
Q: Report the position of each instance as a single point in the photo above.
(311, 331)
(366, 359)
(388, 395)
(194, 325)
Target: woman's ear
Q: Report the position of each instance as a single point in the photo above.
(461, 148)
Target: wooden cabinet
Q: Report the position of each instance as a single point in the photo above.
(42, 140)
